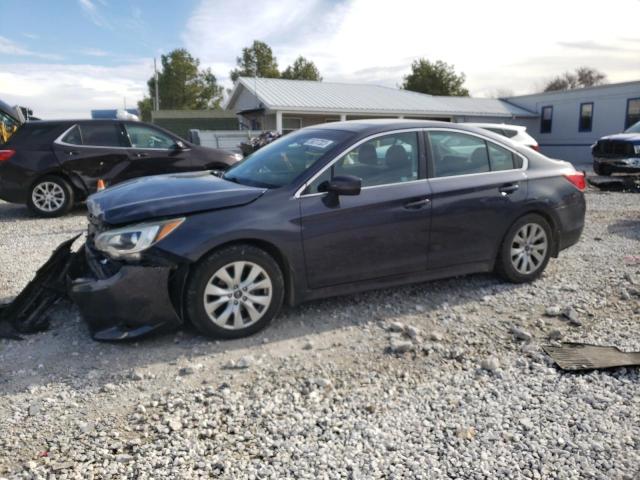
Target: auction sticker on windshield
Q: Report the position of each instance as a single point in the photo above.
(318, 142)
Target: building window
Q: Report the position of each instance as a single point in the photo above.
(545, 120)
(633, 112)
(290, 124)
(586, 117)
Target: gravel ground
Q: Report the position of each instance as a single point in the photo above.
(439, 380)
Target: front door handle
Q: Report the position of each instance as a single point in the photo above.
(508, 188)
(142, 155)
(72, 152)
(415, 205)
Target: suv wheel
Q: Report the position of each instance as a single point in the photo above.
(525, 250)
(234, 292)
(50, 196)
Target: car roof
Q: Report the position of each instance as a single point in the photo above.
(378, 125)
(496, 125)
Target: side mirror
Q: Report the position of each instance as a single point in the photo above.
(341, 185)
(179, 145)
(344, 185)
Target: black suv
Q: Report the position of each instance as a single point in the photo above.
(50, 165)
(619, 153)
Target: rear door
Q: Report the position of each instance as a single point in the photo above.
(154, 152)
(478, 190)
(94, 151)
(381, 232)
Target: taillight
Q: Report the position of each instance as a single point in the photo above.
(535, 147)
(578, 180)
(6, 154)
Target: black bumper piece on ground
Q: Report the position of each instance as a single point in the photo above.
(27, 313)
(132, 302)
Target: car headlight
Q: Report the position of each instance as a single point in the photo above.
(636, 149)
(130, 241)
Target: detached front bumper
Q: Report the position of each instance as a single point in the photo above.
(122, 301)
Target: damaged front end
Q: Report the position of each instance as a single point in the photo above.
(127, 297)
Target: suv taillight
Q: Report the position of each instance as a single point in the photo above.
(6, 154)
(578, 180)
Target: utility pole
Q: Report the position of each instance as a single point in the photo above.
(155, 74)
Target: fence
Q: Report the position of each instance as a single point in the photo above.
(224, 139)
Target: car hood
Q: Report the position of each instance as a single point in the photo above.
(627, 137)
(167, 195)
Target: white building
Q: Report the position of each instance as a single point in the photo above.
(286, 105)
(565, 123)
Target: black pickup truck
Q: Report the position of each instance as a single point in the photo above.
(619, 153)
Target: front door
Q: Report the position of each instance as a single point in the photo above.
(381, 232)
(478, 188)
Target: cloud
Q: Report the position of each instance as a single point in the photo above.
(94, 52)
(8, 47)
(375, 41)
(91, 10)
(71, 91)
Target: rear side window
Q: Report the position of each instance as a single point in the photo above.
(500, 158)
(73, 137)
(457, 153)
(510, 133)
(103, 135)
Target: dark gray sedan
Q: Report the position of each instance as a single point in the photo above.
(326, 210)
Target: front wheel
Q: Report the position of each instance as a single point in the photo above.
(50, 196)
(525, 250)
(234, 292)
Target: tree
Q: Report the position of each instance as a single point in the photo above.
(435, 78)
(582, 77)
(182, 85)
(256, 61)
(302, 69)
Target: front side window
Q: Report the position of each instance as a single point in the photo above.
(282, 161)
(103, 135)
(633, 112)
(142, 136)
(586, 117)
(383, 160)
(455, 153)
(546, 119)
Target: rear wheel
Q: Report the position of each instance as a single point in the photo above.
(234, 292)
(525, 250)
(50, 196)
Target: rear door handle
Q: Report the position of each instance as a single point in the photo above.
(415, 205)
(509, 188)
(72, 152)
(142, 155)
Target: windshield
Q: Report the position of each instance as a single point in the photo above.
(635, 128)
(8, 127)
(280, 162)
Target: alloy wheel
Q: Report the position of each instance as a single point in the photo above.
(238, 295)
(48, 196)
(529, 248)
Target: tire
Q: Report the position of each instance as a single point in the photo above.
(527, 233)
(50, 196)
(231, 311)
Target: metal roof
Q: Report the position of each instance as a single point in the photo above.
(326, 97)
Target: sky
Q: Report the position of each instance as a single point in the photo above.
(63, 58)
